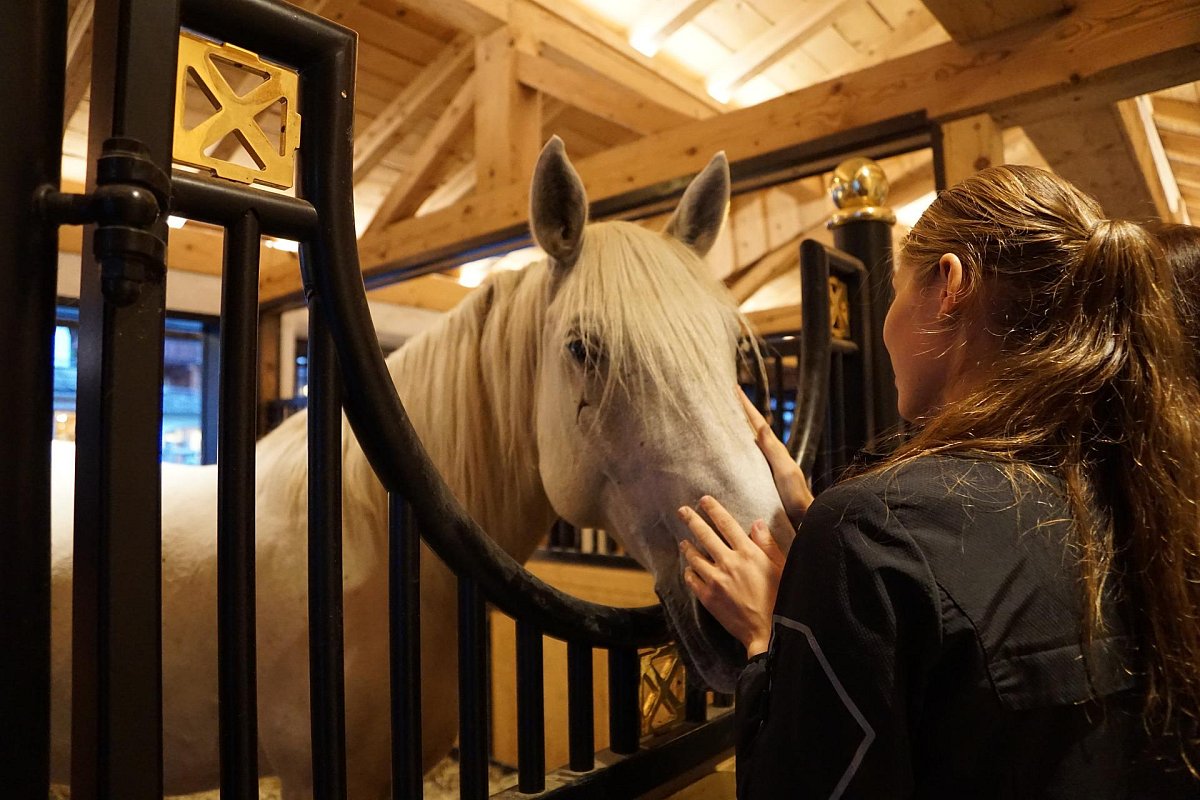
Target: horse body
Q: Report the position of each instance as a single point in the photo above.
(596, 385)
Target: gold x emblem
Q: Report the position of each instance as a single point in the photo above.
(236, 113)
(839, 309)
(662, 689)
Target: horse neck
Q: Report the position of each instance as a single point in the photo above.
(468, 387)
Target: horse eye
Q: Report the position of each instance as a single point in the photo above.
(578, 350)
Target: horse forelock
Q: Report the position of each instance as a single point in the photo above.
(661, 318)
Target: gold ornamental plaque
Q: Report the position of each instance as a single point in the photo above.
(251, 103)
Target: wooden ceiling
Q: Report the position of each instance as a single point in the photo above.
(455, 97)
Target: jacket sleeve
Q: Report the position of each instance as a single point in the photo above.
(829, 712)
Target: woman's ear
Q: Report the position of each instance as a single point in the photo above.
(951, 284)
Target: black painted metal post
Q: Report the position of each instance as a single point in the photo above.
(116, 740)
(531, 714)
(404, 621)
(472, 692)
(863, 228)
(326, 670)
(624, 716)
(581, 733)
(235, 512)
(695, 699)
(32, 47)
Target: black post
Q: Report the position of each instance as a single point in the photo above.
(624, 714)
(326, 670)
(116, 744)
(581, 733)
(531, 713)
(472, 692)
(404, 626)
(235, 511)
(32, 49)
(863, 228)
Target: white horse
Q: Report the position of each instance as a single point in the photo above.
(597, 385)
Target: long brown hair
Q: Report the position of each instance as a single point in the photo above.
(1094, 383)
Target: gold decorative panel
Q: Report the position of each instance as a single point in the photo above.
(839, 309)
(253, 104)
(662, 689)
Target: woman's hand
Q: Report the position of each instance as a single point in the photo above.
(789, 480)
(736, 578)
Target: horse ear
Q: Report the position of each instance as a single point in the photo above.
(697, 220)
(558, 206)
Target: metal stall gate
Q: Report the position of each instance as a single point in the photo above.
(116, 709)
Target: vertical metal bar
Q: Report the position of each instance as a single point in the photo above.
(531, 714)
(32, 49)
(472, 692)
(236, 656)
(581, 733)
(116, 745)
(624, 714)
(870, 241)
(777, 398)
(326, 678)
(404, 628)
(695, 699)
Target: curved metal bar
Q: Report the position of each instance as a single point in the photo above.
(816, 340)
(330, 266)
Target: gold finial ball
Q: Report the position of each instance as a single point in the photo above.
(857, 183)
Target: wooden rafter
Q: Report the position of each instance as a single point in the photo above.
(433, 292)
(661, 21)
(406, 195)
(773, 44)
(969, 145)
(1178, 116)
(978, 19)
(597, 95)
(1147, 151)
(414, 101)
(79, 58)
(476, 17)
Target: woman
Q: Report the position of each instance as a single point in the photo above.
(1007, 603)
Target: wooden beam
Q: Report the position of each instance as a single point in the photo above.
(79, 58)
(1146, 149)
(407, 194)
(597, 94)
(661, 21)
(508, 120)
(771, 45)
(476, 17)
(433, 292)
(573, 36)
(768, 321)
(1092, 150)
(1181, 147)
(414, 101)
(1103, 51)
(978, 19)
(967, 146)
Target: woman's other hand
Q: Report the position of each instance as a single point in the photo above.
(735, 577)
(790, 482)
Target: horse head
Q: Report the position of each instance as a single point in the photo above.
(635, 407)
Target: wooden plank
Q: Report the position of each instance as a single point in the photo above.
(978, 19)
(434, 292)
(1146, 149)
(969, 145)
(1179, 116)
(414, 101)
(1092, 150)
(597, 94)
(1181, 147)
(404, 197)
(507, 114)
(769, 321)
(661, 21)
(1103, 51)
(771, 45)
